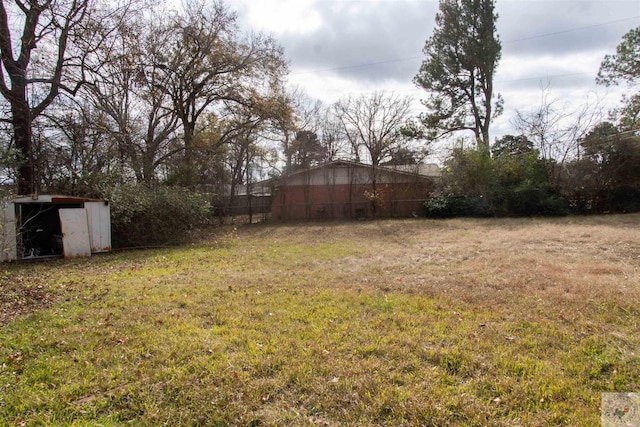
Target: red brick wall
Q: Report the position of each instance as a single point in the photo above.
(347, 201)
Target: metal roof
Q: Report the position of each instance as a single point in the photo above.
(44, 198)
(425, 170)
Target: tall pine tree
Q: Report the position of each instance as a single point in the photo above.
(461, 60)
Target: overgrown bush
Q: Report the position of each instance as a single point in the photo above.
(622, 199)
(607, 177)
(467, 178)
(522, 187)
(513, 181)
(145, 216)
(458, 205)
(446, 206)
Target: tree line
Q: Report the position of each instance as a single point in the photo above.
(558, 163)
(101, 96)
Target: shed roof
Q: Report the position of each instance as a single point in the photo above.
(424, 170)
(53, 199)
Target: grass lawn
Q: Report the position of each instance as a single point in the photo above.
(510, 322)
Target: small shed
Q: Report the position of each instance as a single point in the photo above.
(346, 189)
(54, 226)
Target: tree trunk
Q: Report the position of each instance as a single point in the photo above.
(148, 166)
(21, 121)
(189, 176)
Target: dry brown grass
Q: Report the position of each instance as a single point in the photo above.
(509, 322)
(567, 263)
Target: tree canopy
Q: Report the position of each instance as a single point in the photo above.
(624, 65)
(461, 60)
(98, 95)
(44, 23)
(373, 124)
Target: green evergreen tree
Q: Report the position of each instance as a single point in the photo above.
(461, 60)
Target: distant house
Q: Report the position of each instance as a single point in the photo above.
(345, 189)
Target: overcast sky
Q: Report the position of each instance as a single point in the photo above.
(341, 47)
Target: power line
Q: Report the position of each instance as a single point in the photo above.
(543, 77)
(571, 30)
(362, 65)
(411, 58)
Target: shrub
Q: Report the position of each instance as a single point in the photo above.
(609, 172)
(446, 206)
(145, 216)
(625, 199)
(512, 182)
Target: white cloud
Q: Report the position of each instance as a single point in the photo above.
(327, 86)
(282, 16)
(338, 48)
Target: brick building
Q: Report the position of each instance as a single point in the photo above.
(345, 189)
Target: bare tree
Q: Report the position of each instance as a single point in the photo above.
(283, 122)
(372, 124)
(241, 132)
(305, 149)
(76, 156)
(209, 64)
(41, 43)
(296, 121)
(332, 136)
(556, 131)
(127, 89)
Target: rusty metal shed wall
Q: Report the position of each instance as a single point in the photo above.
(7, 233)
(98, 217)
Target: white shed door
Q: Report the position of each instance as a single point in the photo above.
(8, 250)
(99, 221)
(75, 233)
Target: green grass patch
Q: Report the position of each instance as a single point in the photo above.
(374, 323)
